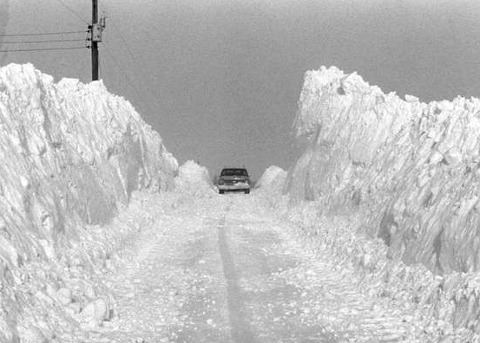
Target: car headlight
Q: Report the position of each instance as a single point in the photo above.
(221, 182)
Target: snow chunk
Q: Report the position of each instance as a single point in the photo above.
(411, 98)
(64, 295)
(95, 312)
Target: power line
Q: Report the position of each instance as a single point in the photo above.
(45, 49)
(132, 56)
(134, 59)
(42, 34)
(138, 93)
(121, 69)
(124, 42)
(44, 41)
(71, 10)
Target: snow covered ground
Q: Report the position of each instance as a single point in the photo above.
(227, 269)
(370, 237)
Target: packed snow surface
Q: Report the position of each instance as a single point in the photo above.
(399, 180)
(72, 154)
(227, 269)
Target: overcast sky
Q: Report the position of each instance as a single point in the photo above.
(220, 80)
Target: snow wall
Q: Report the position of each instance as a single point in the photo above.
(71, 156)
(412, 168)
(401, 172)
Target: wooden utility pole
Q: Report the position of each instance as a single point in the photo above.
(95, 30)
(94, 42)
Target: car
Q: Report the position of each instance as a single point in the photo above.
(234, 180)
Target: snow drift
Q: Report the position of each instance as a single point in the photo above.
(401, 171)
(272, 179)
(194, 179)
(71, 156)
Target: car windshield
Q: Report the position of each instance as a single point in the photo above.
(234, 172)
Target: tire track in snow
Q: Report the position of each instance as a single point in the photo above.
(240, 329)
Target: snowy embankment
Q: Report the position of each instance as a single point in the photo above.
(391, 185)
(72, 154)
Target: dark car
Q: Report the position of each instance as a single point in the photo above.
(233, 179)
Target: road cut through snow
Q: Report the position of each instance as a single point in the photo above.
(224, 269)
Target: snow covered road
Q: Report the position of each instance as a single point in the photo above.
(224, 269)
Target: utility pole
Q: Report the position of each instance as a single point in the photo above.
(95, 37)
(94, 42)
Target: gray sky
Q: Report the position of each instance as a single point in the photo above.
(220, 80)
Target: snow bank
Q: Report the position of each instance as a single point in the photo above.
(194, 179)
(412, 168)
(273, 179)
(404, 172)
(71, 156)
